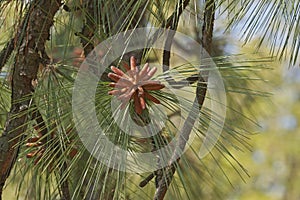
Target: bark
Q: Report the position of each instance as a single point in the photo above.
(26, 64)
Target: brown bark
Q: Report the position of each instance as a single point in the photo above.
(25, 70)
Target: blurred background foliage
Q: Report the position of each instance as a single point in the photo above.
(260, 88)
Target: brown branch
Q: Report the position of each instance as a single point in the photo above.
(168, 172)
(172, 24)
(25, 70)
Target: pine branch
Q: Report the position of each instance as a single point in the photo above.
(25, 70)
(172, 24)
(207, 30)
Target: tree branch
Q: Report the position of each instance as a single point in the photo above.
(25, 70)
(207, 30)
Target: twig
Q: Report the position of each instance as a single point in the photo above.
(25, 70)
(169, 171)
(172, 24)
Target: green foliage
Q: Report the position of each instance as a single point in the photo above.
(62, 161)
(276, 23)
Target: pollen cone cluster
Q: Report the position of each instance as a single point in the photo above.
(134, 84)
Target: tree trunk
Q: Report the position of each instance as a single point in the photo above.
(29, 56)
